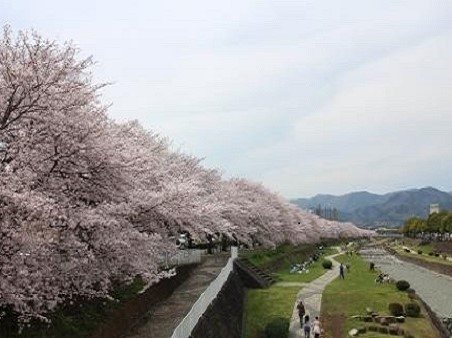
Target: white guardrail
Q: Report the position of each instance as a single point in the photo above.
(186, 326)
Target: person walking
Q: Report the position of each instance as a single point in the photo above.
(341, 271)
(301, 311)
(317, 329)
(307, 327)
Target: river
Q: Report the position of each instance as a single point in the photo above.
(435, 289)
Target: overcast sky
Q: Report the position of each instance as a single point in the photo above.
(305, 96)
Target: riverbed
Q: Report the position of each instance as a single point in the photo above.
(435, 289)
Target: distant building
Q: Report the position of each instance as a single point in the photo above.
(434, 208)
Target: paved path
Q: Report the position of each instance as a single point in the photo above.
(291, 284)
(163, 318)
(311, 295)
(435, 289)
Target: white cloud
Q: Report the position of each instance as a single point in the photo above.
(388, 125)
(320, 96)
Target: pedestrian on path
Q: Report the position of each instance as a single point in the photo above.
(301, 311)
(307, 327)
(341, 271)
(317, 329)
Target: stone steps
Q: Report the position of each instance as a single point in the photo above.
(253, 276)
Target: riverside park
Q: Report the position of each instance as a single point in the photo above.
(212, 169)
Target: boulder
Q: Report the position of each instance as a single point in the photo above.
(353, 332)
(391, 319)
(369, 311)
(400, 319)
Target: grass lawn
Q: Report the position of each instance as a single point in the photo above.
(424, 256)
(284, 254)
(345, 298)
(315, 270)
(264, 305)
(262, 257)
(415, 245)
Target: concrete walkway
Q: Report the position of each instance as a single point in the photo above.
(163, 318)
(311, 295)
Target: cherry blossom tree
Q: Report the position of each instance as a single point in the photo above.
(86, 202)
(64, 221)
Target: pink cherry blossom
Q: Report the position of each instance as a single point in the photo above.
(86, 202)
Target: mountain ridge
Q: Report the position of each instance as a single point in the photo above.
(371, 210)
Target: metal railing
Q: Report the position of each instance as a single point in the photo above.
(186, 326)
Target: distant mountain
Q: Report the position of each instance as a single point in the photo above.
(391, 209)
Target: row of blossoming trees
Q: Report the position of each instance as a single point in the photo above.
(86, 202)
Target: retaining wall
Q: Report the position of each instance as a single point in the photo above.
(223, 318)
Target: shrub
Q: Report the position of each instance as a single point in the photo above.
(373, 328)
(402, 285)
(436, 254)
(383, 329)
(444, 256)
(412, 310)
(327, 264)
(430, 253)
(348, 266)
(407, 250)
(393, 329)
(277, 328)
(362, 330)
(411, 293)
(396, 309)
(419, 252)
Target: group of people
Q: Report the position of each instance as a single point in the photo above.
(382, 278)
(300, 268)
(305, 322)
